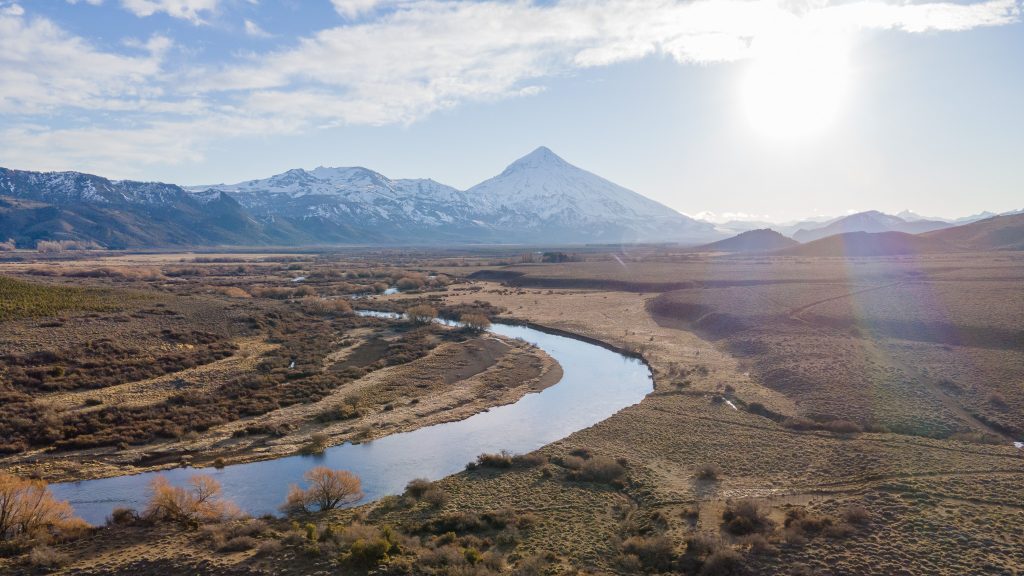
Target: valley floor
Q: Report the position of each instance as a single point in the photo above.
(722, 469)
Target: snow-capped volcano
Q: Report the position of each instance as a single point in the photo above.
(543, 194)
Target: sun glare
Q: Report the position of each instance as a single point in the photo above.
(795, 85)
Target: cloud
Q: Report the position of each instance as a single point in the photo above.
(354, 8)
(390, 66)
(90, 2)
(11, 9)
(44, 69)
(185, 9)
(253, 29)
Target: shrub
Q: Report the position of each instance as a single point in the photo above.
(709, 472)
(7, 246)
(475, 321)
(122, 517)
(500, 460)
(654, 552)
(842, 427)
(238, 544)
(531, 460)
(417, 487)
(745, 517)
(409, 283)
(856, 514)
(45, 557)
(27, 507)
(435, 497)
(326, 307)
(269, 547)
(723, 562)
(199, 502)
(328, 489)
(421, 313)
(599, 469)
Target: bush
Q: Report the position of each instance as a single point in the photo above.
(654, 552)
(599, 469)
(238, 544)
(435, 497)
(326, 307)
(531, 460)
(723, 562)
(709, 472)
(421, 313)
(745, 517)
(500, 460)
(409, 283)
(7, 246)
(122, 517)
(269, 547)
(328, 489)
(45, 557)
(856, 514)
(417, 487)
(475, 321)
(27, 507)
(200, 502)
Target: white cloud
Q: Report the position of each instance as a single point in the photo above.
(353, 8)
(395, 66)
(90, 2)
(253, 29)
(190, 10)
(11, 9)
(44, 69)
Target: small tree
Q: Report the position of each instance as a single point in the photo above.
(199, 502)
(421, 313)
(328, 489)
(27, 507)
(475, 321)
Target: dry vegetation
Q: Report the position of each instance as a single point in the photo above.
(809, 417)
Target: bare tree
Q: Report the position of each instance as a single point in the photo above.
(328, 489)
(421, 313)
(27, 506)
(475, 321)
(199, 502)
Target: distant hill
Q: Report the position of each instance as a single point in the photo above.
(871, 221)
(764, 240)
(868, 244)
(996, 233)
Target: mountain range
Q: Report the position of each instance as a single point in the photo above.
(539, 198)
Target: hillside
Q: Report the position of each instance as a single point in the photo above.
(764, 240)
(996, 233)
(868, 244)
(870, 221)
(122, 214)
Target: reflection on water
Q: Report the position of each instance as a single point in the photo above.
(596, 383)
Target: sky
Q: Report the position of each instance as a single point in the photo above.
(722, 109)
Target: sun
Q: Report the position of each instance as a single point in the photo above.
(795, 85)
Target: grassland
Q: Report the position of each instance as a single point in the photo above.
(809, 417)
(31, 300)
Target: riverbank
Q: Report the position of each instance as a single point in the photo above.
(453, 382)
